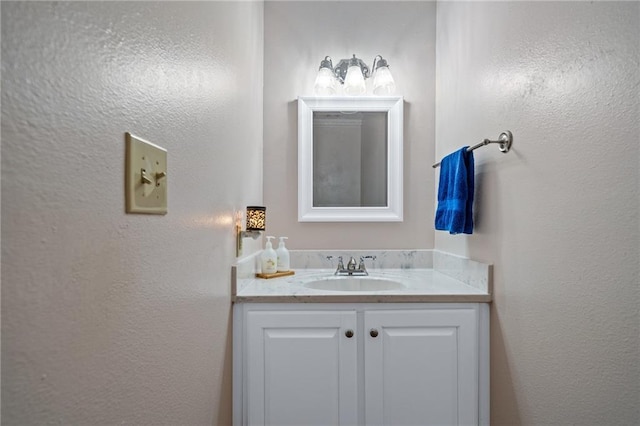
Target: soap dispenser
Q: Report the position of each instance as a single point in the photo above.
(269, 258)
(283, 256)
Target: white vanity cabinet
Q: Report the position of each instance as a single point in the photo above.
(361, 363)
(301, 368)
(421, 366)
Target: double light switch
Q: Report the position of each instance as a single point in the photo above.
(146, 177)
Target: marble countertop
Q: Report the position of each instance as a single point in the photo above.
(419, 285)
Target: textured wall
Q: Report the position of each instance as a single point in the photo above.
(559, 214)
(110, 318)
(298, 35)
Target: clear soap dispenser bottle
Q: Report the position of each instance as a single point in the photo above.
(283, 256)
(269, 258)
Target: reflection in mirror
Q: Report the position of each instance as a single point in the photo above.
(349, 159)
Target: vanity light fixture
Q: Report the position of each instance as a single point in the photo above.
(326, 83)
(351, 73)
(256, 222)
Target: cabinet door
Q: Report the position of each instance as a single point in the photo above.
(421, 368)
(301, 368)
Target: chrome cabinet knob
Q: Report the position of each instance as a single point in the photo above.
(373, 333)
(349, 333)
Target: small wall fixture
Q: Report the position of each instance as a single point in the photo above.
(256, 222)
(351, 73)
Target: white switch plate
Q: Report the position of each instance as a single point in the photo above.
(146, 176)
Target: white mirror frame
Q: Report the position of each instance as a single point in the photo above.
(393, 106)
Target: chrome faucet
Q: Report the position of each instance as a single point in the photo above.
(353, 268)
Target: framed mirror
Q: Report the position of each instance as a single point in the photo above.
(350, 159)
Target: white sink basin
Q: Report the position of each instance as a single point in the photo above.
(354, 284)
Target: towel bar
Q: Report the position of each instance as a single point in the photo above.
(505, 140)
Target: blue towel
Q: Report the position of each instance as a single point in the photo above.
(455, 193)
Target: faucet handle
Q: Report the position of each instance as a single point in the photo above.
(362, 258)
(340, 267)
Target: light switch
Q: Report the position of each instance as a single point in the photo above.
(146, 176)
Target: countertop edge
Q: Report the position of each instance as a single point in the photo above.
(367, 298)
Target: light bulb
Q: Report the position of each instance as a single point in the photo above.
(383, 83)
(354, 81)
(325, 83)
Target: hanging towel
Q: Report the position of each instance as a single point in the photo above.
(455, 193)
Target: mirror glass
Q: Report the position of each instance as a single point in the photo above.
(349, 159)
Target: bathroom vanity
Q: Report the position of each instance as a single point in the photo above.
(401, 346)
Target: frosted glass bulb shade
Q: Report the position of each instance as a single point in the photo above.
(383, 83)
(354, 82)
(325, 83)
